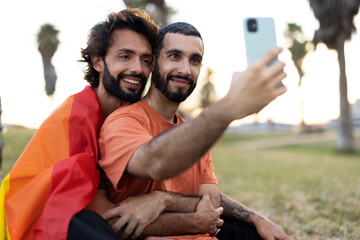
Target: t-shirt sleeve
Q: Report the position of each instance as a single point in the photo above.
(120, 136)
(208, 175)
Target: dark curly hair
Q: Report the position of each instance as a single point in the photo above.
(100, 37)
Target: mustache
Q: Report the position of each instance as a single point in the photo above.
(123, 75)
(181, 77)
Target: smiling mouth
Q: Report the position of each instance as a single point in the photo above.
(180, 82)
(135, 82)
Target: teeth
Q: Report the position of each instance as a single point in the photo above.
(130, 81)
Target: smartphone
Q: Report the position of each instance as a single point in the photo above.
(259, 33)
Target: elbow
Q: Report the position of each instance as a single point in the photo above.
(158, 171)
(153, 166)
(141, 165)
(157, 174)
(157, 177)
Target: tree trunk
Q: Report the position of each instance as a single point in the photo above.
(301, 75)
(160, 13)
(299, 70)
(303, 124)
(345, 139)
(50, 75)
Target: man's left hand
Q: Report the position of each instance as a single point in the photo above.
(135, 213)
(268, 230)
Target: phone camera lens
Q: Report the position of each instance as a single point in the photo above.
(252, 25)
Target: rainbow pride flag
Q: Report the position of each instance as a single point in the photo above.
(56, 176)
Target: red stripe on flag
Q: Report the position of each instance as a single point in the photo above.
(75, 179)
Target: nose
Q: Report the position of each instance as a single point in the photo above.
(184, 68)
(136, 66)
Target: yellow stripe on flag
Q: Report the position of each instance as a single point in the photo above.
(5, 186)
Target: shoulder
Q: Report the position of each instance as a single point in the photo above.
(129, 114)
(83, 104)
(132, 110)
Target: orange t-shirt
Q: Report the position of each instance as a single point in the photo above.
(124, 131)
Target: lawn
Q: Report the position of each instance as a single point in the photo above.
(16, 138)
(308, 189)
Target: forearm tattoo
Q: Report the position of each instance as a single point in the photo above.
(236, 210)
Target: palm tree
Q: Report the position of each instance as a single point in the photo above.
(157, 9)
(47, 45)
(336, 26)
(298, 52)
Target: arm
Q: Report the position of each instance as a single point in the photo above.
(100, 203)
(206, 219)
(138, 212)
(239, 211)
(213, 191)
(193, 215)
(266, 228)
(250, 91)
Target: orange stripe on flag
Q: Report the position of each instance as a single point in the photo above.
(30, 178)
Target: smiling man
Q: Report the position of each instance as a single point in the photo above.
(178, 85)
(56, 176)
(124, 64)
(151, 129)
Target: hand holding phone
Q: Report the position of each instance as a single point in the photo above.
(260, 37)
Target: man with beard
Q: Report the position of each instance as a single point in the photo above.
(132, 135)
(56, 176)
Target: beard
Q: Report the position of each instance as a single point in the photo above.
(112, 86)
(163, 85)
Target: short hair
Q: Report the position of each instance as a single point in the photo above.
(178, 27)
(100, 37)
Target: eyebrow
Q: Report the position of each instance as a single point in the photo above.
(174, 50)
(125, 50)
(133, 52)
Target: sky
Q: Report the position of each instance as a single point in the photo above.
(22, 93)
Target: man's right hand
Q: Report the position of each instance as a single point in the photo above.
(206, 217)
(256, 87)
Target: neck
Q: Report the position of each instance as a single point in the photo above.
(108, 103)
(161, 104)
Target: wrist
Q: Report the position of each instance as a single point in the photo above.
(163, 199)
(220, 112)
(194, 221)
(175, 202)
(256, 219)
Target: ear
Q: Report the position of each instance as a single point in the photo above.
(98, 63)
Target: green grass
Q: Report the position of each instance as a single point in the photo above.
(16, 138)
(235, 137)
(309, 189)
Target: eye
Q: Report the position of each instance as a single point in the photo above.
(174, 56)
(196, 60)
(147, 61)
(124, 56)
